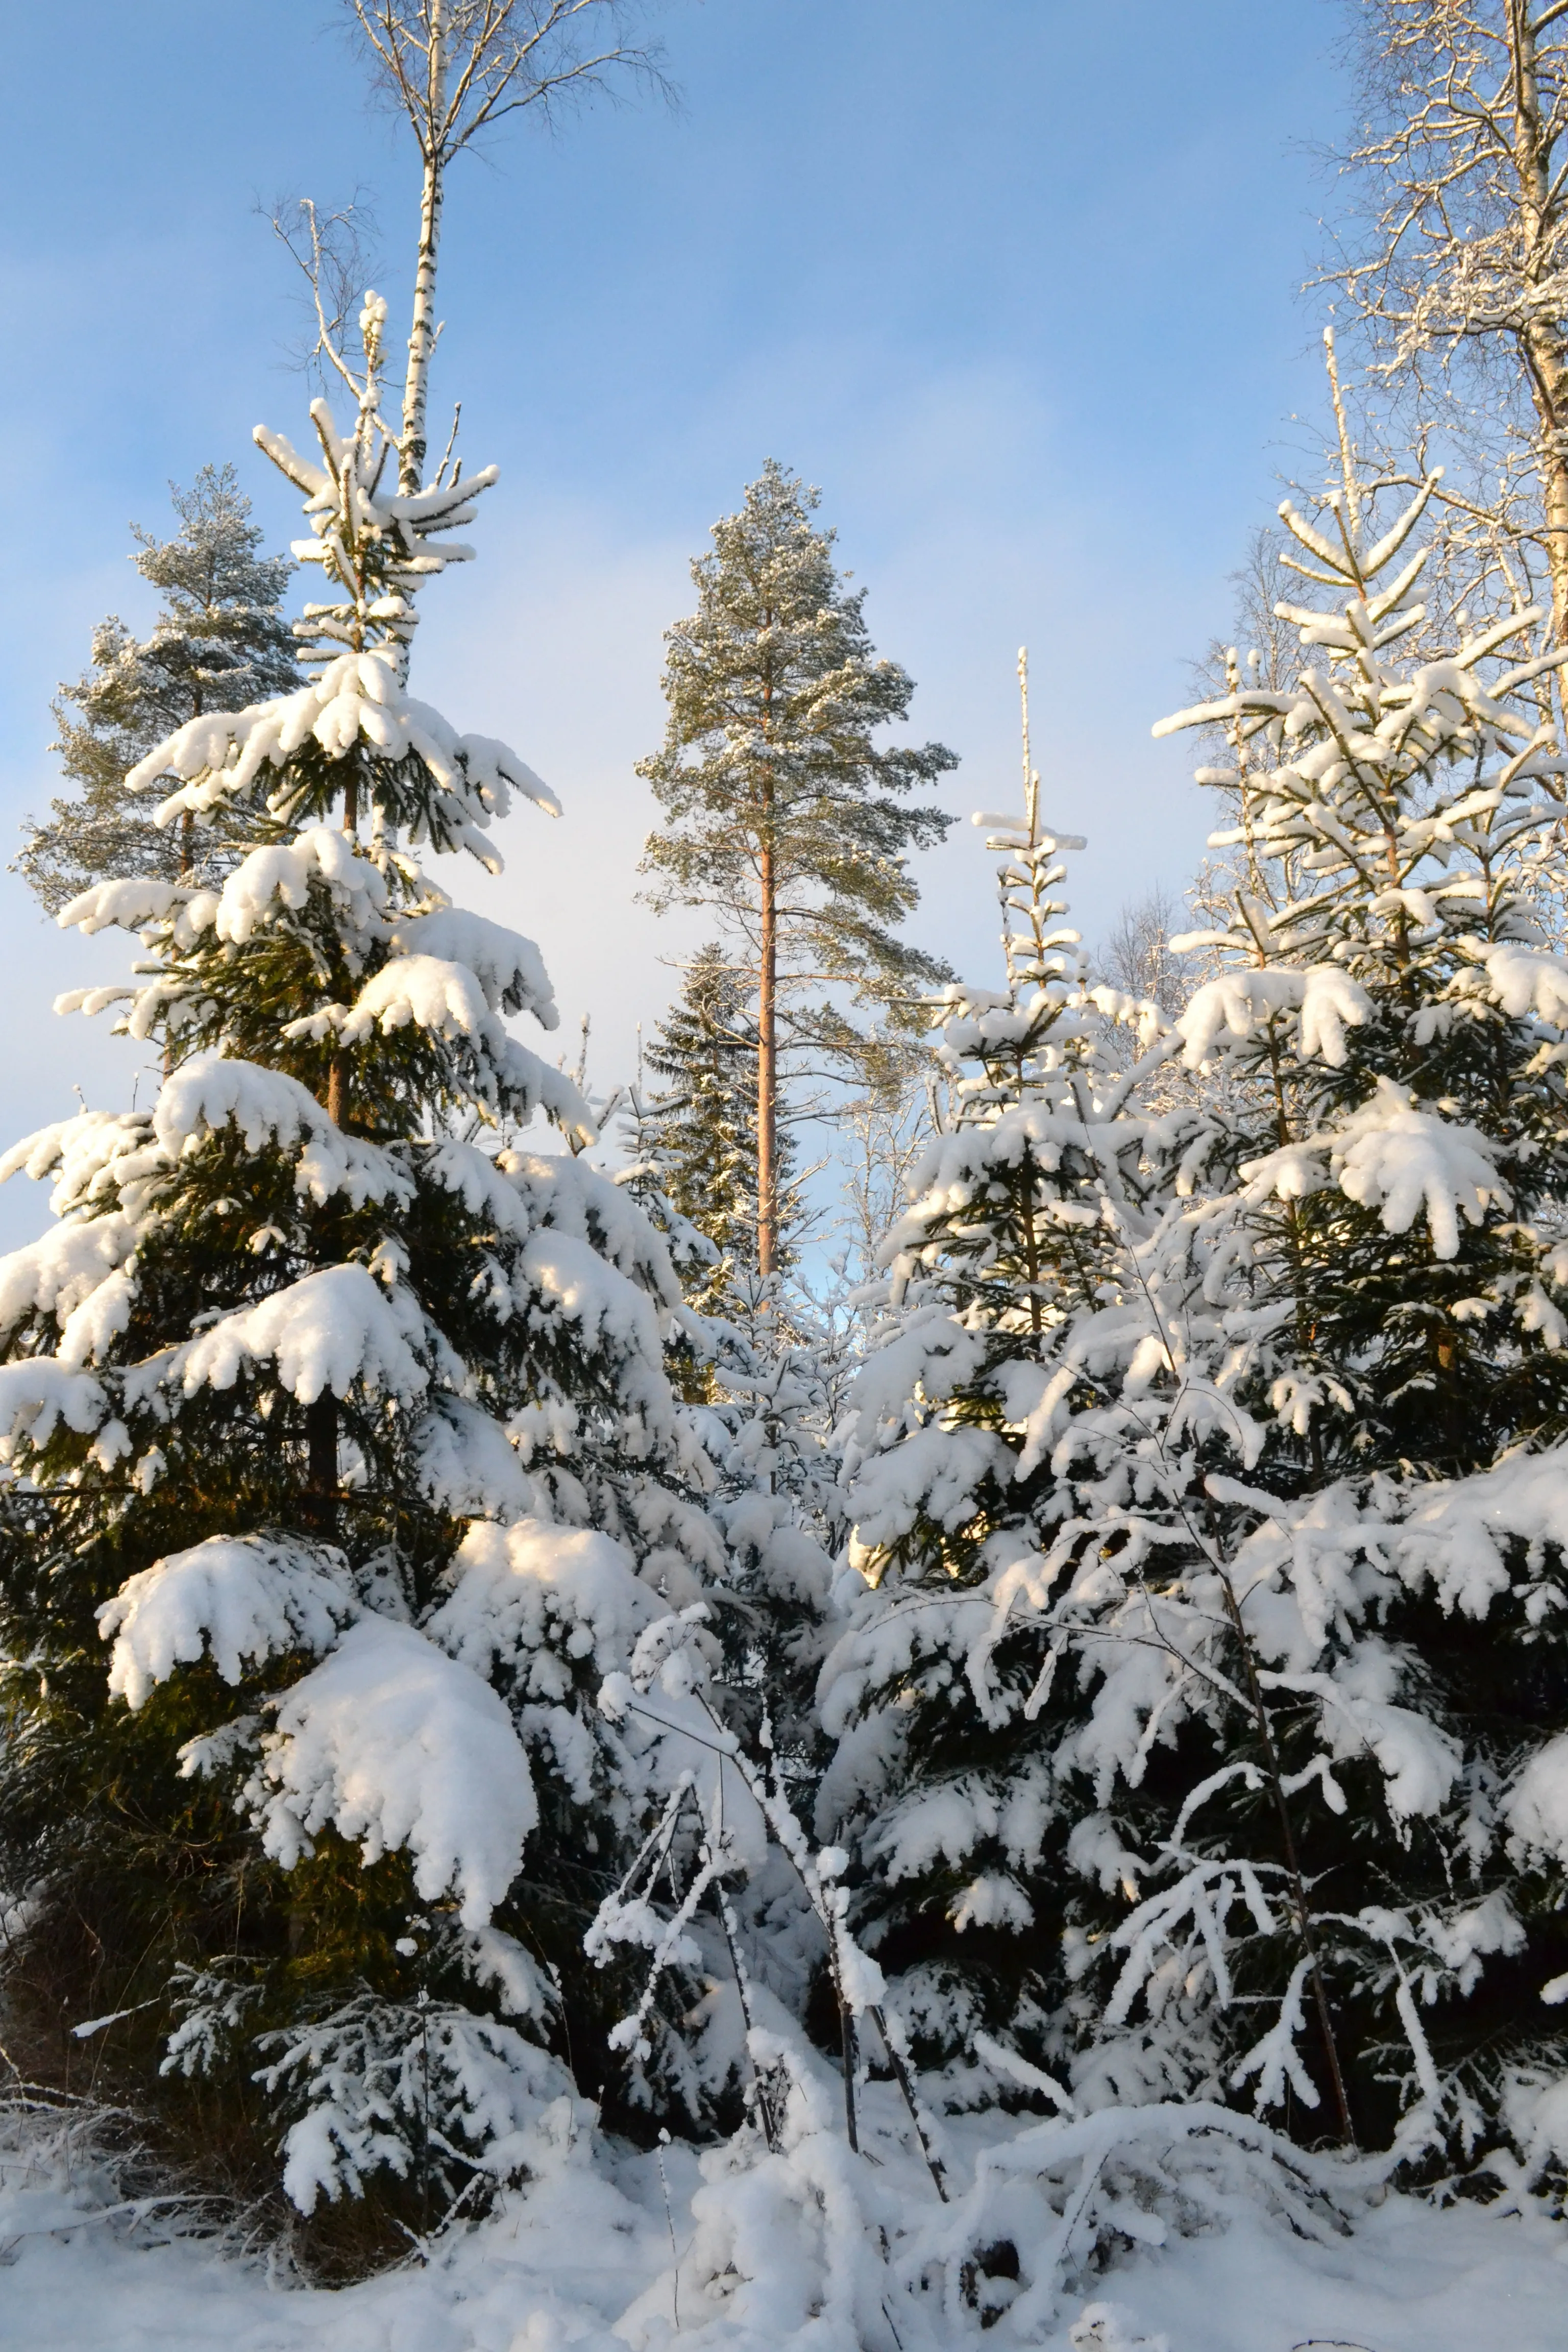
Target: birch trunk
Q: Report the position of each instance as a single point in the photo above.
(421, 334)
(1545, 354)
(1551, 373)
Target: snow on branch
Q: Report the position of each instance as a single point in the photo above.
(357, 707)
(336, 1329)
(241, 1598)
(397, 1745)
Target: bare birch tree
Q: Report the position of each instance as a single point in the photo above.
(457, 68)
(1458, 267)
(880, 1137)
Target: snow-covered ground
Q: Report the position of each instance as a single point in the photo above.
(583, 2260)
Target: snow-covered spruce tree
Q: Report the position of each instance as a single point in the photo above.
(337, 1412)
(730, 1904)
(220, 642)
(701, 1121)
(1396, 1242)
(947, 1792)
(719, 1898)
(1300, 1554)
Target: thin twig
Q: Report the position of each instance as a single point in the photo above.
(896, 2057)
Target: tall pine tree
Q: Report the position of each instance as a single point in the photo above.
(782, 815)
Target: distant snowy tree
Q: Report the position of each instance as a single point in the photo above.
(879, 1138)
(220, 641)
(1136, 957)
(783, 815)
(701, 1120)
(342, 1464)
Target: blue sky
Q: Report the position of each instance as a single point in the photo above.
(1015, 281)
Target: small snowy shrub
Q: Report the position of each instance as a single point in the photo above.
(442, 2098)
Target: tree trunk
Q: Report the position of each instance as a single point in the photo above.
(322, 1417)
(1547, 365)
(767, 1015)
(321, 1466)
(338, 1089)
(338, 1068)
(767, 1073)
(422, 335)
(1546, 352)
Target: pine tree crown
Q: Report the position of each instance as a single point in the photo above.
(775, 695)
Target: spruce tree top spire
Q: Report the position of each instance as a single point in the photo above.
(1393, 775)
(1027, 1042)
(353, 732)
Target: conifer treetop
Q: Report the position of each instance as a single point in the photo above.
(219, 593)
(695, 1136)
(775, 694)
(220, 641)
(354, 723)
(1390, 775)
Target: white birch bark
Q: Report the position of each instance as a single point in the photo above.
(455, 68)
(1464, 261)
(422, 330)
